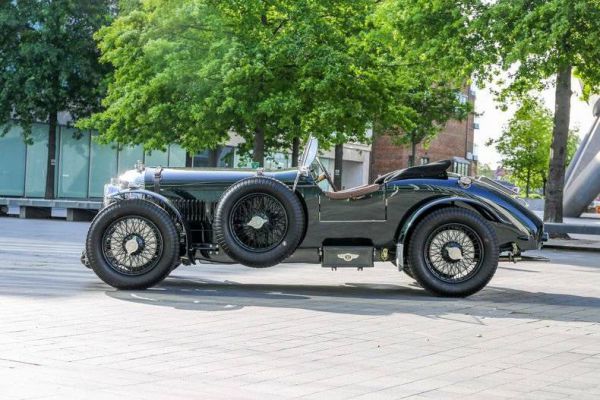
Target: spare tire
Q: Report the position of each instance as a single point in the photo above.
(259, 222)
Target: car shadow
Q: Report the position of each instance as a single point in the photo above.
(364, 299)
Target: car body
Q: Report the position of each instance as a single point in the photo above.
(509, 185)
(351, 228)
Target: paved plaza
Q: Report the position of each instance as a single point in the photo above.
(292, 331)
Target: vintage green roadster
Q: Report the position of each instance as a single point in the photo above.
(444, 230)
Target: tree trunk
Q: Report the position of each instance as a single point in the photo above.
(295, 151)
(258, 155)
(413, 152)
(338, 166)
(51, 164)
(553, 208)
(527, 184)
(544, 183)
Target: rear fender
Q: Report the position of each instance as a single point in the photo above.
(407, 226)
(164, 203)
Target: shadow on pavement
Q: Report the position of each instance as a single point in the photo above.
(364, 299)
(39, 279)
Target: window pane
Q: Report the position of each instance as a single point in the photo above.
(277, 161)
(74, 163)
(129, 156)
(12, 163)
(155, 158)
(176, 156)
(225, 156)
(37, 158)
(201, 159)
(103, 166)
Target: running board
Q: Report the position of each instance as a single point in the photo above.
(516, 259)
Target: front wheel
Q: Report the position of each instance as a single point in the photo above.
(132, 244)
(453, 252)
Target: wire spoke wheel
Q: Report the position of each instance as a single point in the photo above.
(258, 222)
(453, 253)
(132, 245)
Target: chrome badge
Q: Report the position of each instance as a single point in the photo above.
(348, 256)
(257, 222)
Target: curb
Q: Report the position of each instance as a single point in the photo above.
(571, 248)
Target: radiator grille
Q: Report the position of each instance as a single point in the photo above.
(195, 210)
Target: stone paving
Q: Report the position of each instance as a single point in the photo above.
(293, 331)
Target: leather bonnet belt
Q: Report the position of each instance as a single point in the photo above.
(157, 178)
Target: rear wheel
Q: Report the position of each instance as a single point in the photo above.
(132, 244)
(453, 252)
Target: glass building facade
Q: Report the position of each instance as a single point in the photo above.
(83, 165)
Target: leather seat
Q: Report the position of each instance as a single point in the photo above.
(353, 193)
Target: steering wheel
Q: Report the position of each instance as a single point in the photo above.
(325, 176)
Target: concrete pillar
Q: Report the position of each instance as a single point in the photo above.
(575, 162)
(589, 147)
(583, 189)
(582, 182)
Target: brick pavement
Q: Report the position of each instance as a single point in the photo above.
(293, 331)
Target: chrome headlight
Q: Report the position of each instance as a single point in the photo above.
(132, 179)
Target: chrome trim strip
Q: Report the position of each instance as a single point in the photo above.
(400, 256)
(358, 220)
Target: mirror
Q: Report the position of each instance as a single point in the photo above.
(310, 152)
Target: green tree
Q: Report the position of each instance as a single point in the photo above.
(49, 64)
(525, 145)
(533, 41)
(420, 96)
(546, 39)
(429, 108)
(192, 71)
(486, 170)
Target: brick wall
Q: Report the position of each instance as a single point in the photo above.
(455, 140)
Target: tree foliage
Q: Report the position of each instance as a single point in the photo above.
(49, 63)
(525, 145)
(191, 71)
(420, 96)
(533, 43)
(485, 170)
(49, 58)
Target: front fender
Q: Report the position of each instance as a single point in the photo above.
(412, 219)
(163, 202)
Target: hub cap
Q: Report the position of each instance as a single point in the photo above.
(258, 222)
(132, 245)
(453, 253)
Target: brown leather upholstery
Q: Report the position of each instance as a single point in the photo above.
(353, 193)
